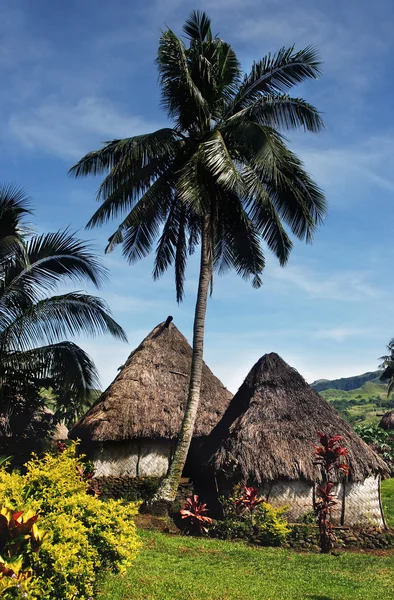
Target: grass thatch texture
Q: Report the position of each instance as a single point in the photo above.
(387, 421)
(148, 397)
(270, 428)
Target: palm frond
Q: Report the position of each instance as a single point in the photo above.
(215, 155)
(237, 241)
(63, 365)
(142, 224)
(181, 256)
(48, 260)
(133, 152)
(181, 97)
(281, 112)
(265, 218)
(198, 26)
(276, 73)
(295, 196)
(54, 318)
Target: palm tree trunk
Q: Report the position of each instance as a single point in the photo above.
(169, 485)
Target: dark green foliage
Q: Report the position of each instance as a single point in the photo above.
(380, 440)
(265, 525)
(33, 323)
(224, 160)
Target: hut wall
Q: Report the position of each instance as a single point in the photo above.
(298, 495)
(132, 458)
(362, 502)
(358, 502)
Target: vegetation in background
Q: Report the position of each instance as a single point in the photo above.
(81, 536)
(178, 567)
(380, 440)
(361, 405)
(222, 177)
(34, 325)
(388, 366)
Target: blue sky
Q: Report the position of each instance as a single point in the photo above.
(77, 73)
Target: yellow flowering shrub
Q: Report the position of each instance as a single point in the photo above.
(83, 535)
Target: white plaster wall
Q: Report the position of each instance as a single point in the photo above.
(132, 458)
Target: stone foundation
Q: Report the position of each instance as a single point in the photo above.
(305, 537)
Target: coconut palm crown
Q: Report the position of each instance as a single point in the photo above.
(34, 326)
(221, 177)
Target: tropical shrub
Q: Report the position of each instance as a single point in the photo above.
(330, 457)
(81, 534)
(248, 517)
(194, 513)
(380, 440)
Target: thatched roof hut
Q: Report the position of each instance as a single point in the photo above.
(268, 433)
(387, 421)
(133, 426)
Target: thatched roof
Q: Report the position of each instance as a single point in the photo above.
(60, 431)
(270, 428)
(147, 399)
(387, 421)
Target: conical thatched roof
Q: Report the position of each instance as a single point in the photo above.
(270, 428)
(147, 399)
(387, 421)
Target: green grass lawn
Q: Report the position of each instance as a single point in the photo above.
(388, 500)
(182, 568)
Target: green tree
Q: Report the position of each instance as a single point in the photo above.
(33, 325)
(222, 177)
(388, 367)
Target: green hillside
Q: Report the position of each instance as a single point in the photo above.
(347, 383)
(360, 405)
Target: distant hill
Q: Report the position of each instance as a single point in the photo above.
(358, 399)
(347, 383)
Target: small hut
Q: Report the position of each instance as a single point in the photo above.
(131, 430)
(267, 437)
(387, 421)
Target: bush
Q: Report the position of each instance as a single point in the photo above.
(264, 524)
(81, 534)
(380, 440)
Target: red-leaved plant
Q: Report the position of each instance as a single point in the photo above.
(249, 500)
(195, 514)
(330, 456)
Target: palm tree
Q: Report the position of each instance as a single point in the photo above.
(33, 326)
(222, 177)
(388, 367)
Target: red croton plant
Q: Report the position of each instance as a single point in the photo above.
(195, 513)
(330, 456)
(249, 500)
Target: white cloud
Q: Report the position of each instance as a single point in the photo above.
(339, 334)
(343, 286)
(71, 129)
(350, 167)
(335, 34)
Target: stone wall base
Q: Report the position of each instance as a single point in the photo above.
(366, 538)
